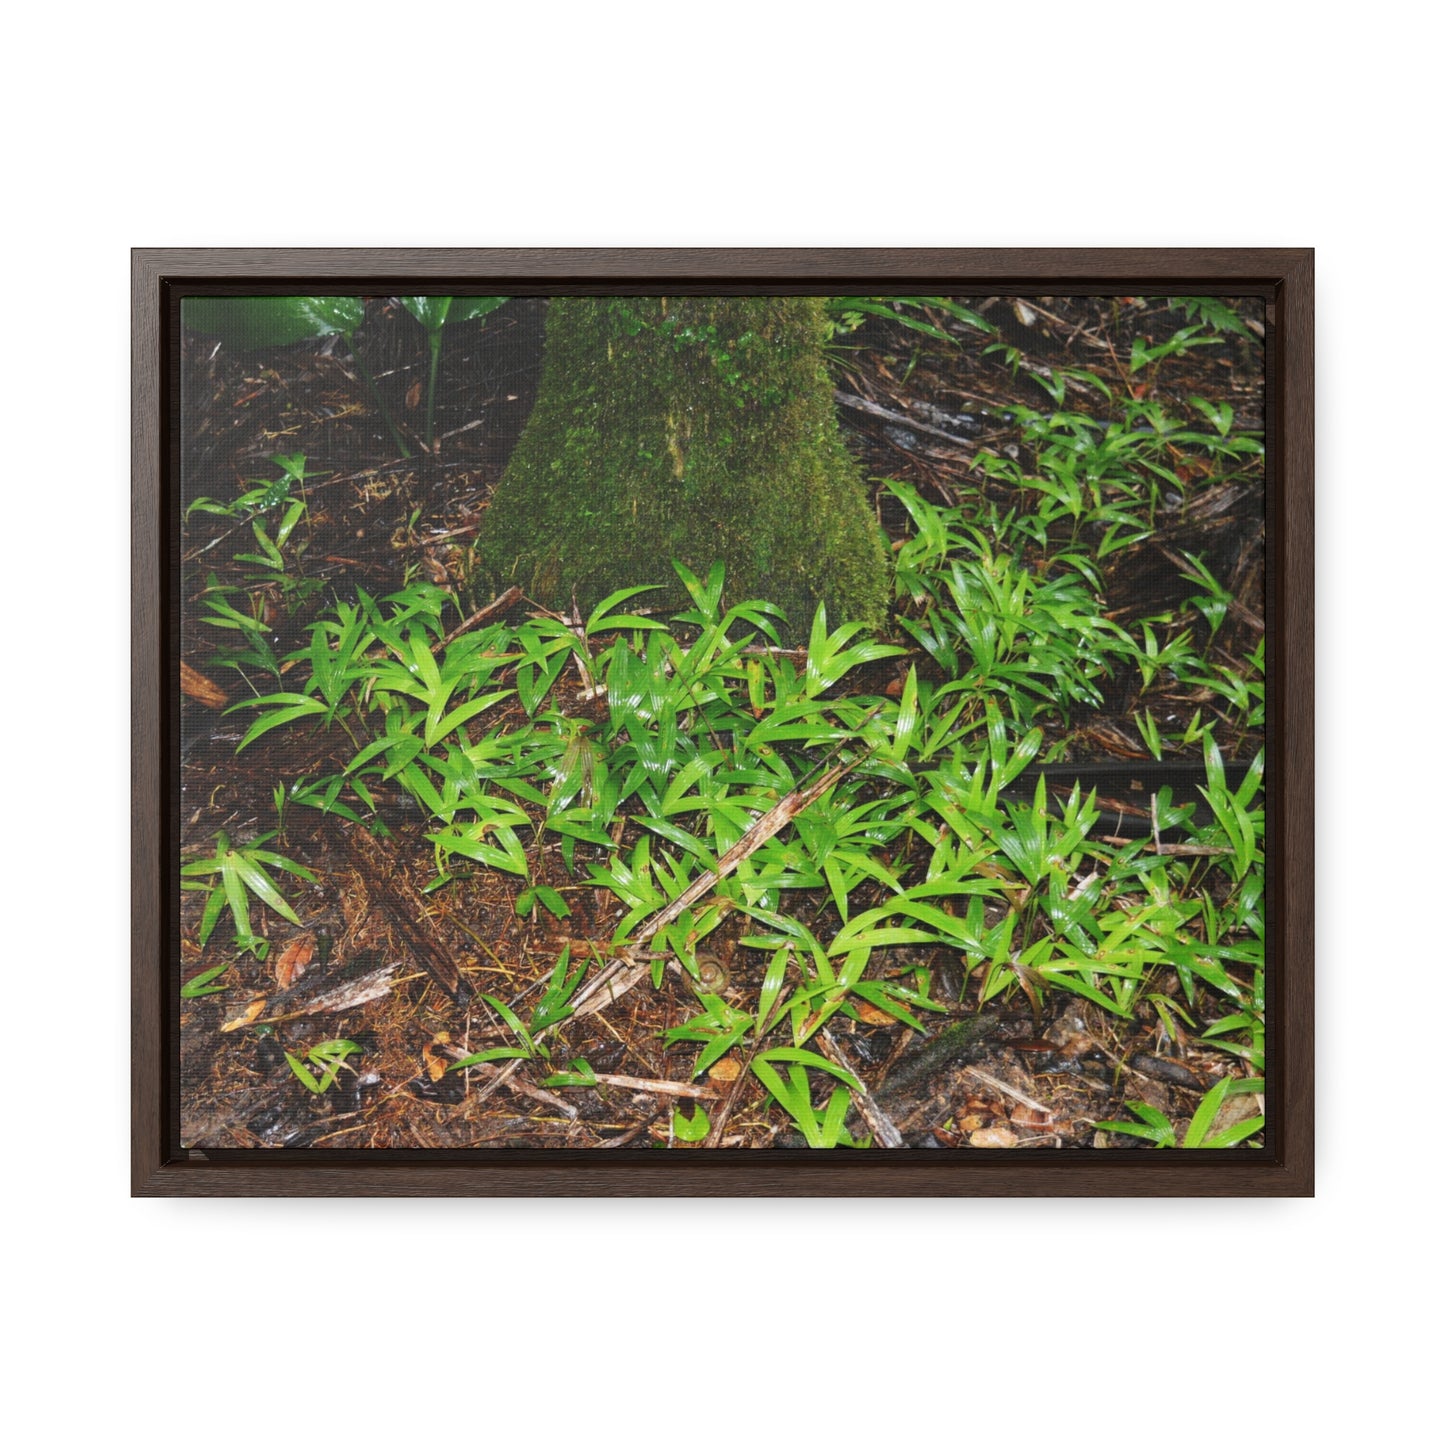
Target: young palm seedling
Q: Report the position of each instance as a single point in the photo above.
(553, 1008)
(433, 312)
(691, 738)
(330, 1057)
(240, 874)
(258, 652)
(1143, 354)
(205, 983)
(1212, 312)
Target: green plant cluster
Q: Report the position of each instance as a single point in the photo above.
(1102, 483)
(269, 572)
(847, 313)
(647, 748)
(1037, 638)
(705, 730)
(239, 873)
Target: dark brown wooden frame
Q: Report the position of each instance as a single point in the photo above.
(1285, 277)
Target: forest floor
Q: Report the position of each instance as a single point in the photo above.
(1046, 1066)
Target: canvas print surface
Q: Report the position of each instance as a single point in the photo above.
(700, 722)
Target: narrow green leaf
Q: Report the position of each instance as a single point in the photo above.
(315, 1085)
(810, 1060)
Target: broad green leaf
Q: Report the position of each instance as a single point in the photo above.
(691, 1130)
(1228, 1138)
(580, 1075)
(1204, 1114)
(248, 323)
(515, 1024)
(600, 620)
(1196, 1137)
(771, 989)
(720, 1045)
(434, 311)
(306, 707)
(431, 311)
(471, 308)
(214, 904)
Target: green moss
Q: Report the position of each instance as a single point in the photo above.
(696, 428)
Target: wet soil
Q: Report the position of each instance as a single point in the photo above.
(914, 409)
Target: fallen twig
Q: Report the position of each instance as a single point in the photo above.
(503, 1075)
(404, 907)
(497, 604)
(628, 971)
(658, 1086)
(901, 418)
(718, 1126)
(317, 994)
(885, 1131)
(1016, 1094)
(627, 1136)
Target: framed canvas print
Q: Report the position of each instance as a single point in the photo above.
(783, 722)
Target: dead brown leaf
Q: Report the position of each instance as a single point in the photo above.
(436, 568)
(870, 1013)
(998, 1138)
(436, 1056)
(248, 1014)
(1026, 1118)
(200, 687)
(295, 960)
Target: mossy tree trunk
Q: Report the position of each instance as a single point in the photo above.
(695, 428)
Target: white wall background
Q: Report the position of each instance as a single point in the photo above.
(1101, 124)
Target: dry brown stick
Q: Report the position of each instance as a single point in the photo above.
(199, 686)
(457, 431)
(502, 1076)
(497, 604)
(718, 1127)
(1008, 1090)
(901, 418)
(657, 1086)
(1077, 331)
(628, 971)
(885, 1131)
(319, 994)
(627, 1135)
(432, 539)
(402, 903)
